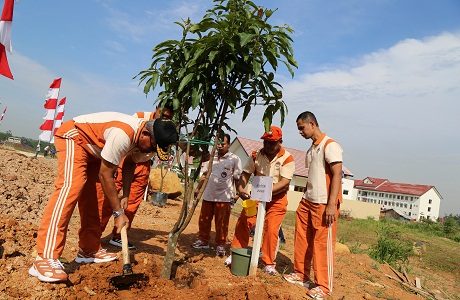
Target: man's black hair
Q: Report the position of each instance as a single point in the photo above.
(307, 116)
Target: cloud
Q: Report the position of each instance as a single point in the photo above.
(158, 21)
(408, 69)
(85, 92)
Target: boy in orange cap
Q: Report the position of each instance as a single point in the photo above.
(272, 160)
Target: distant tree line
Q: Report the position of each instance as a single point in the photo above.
(26, 143)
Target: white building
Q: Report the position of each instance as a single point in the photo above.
(413, 201)
(243, 148)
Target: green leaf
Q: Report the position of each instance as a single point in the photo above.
(184, 82)
(247, 109)
(147, 86)
(256, 68)
(196, 97)
(289, 68)
(245, 38)
(212, 55)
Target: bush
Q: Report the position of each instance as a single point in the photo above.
(390, 247)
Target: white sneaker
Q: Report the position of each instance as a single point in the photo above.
(220, 251)
(48, 270)
(270, 269)
(228, 261)
(199, 244)
(100, 256)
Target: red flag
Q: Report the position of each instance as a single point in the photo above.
(4, 66)
(47, 125)
(54, 111)
(56, 83)
(50, 104)
(5, 37)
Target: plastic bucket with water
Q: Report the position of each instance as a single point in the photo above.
(250, 207)
(159, 198)
(241, 259)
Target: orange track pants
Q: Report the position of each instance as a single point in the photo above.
(275, 212)
(136, 195)
(314, 242)
(75, 183)
(221, 213)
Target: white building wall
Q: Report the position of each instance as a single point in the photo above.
(348, 191)
(427, 209)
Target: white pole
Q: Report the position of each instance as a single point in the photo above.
(257, 238)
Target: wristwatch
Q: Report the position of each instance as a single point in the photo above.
(117, 213)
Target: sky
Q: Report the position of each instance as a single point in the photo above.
(382, 76)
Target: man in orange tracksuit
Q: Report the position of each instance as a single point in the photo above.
(316, 218)
(90, 148)
(272, 160)
(139, 184)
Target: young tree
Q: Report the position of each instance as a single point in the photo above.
(223, 64)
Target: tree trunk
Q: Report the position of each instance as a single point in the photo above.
(170, 255)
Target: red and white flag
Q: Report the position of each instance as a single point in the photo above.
(58, 119)
(50, 106)
(5, 37)
(3, 114)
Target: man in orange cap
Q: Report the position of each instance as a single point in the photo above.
(316, 216)
(272, 160)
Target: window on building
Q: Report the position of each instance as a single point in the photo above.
(406, 197)
(410, 213)
(405, 205)
(385, 203)
(397, 204)
(429, 201)
(411, 206)
(399, 197)
(429, 208)
(345, 192)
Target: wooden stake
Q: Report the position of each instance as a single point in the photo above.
(257, 239)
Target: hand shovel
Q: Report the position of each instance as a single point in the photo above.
(127, 278)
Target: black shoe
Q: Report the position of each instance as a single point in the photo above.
(117, 242)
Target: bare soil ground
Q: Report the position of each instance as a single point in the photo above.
(25, 184)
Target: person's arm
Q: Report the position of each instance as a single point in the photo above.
(127, 172)
(281, 186)
(240, 188)
(331, 207)
(106, 176)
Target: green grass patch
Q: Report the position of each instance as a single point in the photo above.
(437, 252)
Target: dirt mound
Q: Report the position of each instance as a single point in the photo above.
(25, 185)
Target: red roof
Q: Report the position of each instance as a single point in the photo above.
(299, 156)
(383, 185)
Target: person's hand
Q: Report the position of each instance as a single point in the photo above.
(244, 196)
(234, 200)
(195, 193)
(124, 202)
(120, 222)
(331, 211)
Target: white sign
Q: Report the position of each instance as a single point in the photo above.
(262, 187)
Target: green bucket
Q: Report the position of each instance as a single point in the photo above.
(241, 259)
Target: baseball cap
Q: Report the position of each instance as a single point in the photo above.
(165, 134)
(275, 134)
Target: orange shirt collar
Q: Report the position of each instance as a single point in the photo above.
(318, 141)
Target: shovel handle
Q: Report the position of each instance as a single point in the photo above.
(124, 246)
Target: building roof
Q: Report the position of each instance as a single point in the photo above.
(384, 185)
(249, 146)
(388, 210)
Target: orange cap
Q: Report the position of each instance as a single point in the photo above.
(275, 134)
